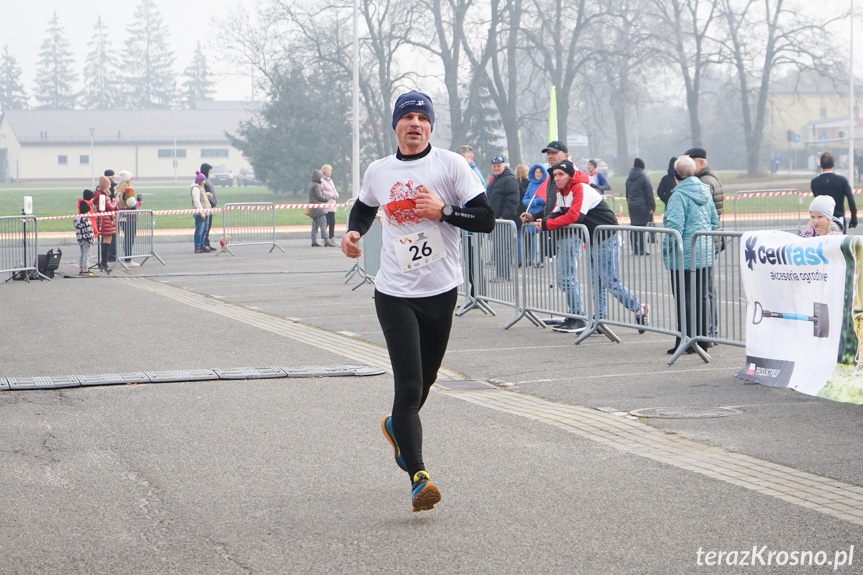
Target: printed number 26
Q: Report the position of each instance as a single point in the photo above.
(420, 253)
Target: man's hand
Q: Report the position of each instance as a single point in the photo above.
(853, 222)
(349, 244)
(539, 225)
(526, 217)
(428, 205)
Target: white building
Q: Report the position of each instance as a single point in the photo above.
(54, 145)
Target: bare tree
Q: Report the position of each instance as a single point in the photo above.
(763, 36)
(683, 35)
(560, 46)
(501, 51)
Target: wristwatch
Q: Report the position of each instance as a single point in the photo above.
(446, 212)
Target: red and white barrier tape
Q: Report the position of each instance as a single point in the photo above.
(204, 212)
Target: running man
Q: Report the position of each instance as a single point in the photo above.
(420, 189)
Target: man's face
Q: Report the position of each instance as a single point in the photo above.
(699, 164)
(591, 167)
(562, 179)
(412, 132)
(555, 157)
(497, 169)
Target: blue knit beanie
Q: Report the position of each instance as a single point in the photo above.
(413, 101)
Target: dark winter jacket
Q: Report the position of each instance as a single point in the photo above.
(667, 183)
(208, 187)
(316, 195)
(639, 196)
(503, 195)
(708, 177)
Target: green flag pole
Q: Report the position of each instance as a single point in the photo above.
(552, 115)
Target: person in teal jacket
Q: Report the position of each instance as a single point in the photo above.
(534, 201)
(690, 209)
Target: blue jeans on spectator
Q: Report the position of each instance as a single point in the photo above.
(567, 270)
(200, 224)
(606, 261)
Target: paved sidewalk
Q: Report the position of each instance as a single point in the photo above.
(543, 472)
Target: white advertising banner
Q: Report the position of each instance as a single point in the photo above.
(804, 313)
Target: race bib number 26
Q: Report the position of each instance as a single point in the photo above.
(420, 249)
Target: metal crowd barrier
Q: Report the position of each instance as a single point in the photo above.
(719, 318)
(371, 244)
(766, 210)
(623, 280)
(555, 274)
(467, 256)
(494, 273)
(252, 224)
(18, 247)
(134, 237)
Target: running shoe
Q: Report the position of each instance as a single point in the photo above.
(424, 493)
(571, 325)
(643, 318)
(387, 427)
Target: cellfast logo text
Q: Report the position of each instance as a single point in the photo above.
(787, 255)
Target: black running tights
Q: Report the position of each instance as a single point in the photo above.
(417, 332)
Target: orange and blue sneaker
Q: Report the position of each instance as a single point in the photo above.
(387, 427)
(424, 493)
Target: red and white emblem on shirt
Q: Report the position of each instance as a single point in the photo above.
(401, 208)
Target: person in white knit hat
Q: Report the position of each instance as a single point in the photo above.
(821, 220)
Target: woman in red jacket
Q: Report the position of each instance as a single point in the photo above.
(104, 203)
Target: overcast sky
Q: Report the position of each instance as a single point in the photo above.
(23, 27)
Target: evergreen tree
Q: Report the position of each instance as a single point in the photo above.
(147, 61)
(100, 72)
(296, 134)
(485, 130)
(12, 95)
(197, 84)
(54, 75)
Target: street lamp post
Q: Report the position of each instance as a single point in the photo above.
(851, 117)
(92, 147)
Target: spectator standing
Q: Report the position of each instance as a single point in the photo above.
(821, 219)
(127, 202)
(105, 203)
(84, 232)
(691, 209)
(533, 199)
(200, 202)
(565, 246)
(422, 190)
(329, 188)
(837, 187)
(466, 152)
(667, 183)
(706, 175)
(212, 202)
(503, 195)
(318, 215)
(639, 198)
(521, 174)
(578, 203)
(597, 178)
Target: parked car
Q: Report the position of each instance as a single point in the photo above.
(246, 177)
(601, 165)
(221, 176)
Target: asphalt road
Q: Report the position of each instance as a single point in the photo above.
(294, 476)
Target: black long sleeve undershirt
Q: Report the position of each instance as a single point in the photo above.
(476, 216)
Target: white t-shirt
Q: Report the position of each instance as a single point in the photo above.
(392, 185)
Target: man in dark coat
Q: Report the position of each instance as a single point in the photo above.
(211, 195)
(838, 188)
(639, 197)
(504, 199)
(706, 175)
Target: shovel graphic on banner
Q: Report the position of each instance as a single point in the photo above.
(820, 317)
